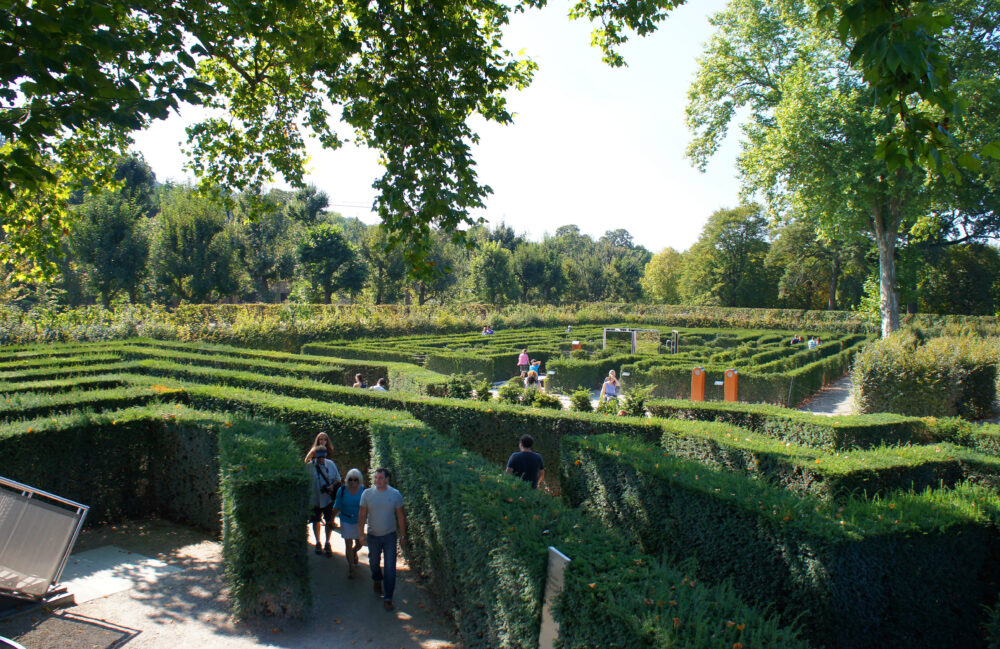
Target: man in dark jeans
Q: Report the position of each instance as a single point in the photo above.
(382, 510)
(526, 464)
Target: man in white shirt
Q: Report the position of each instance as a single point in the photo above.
(382, 511)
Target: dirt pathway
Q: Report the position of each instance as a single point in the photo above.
(188, 609)
(834, 399)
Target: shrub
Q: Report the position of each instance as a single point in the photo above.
(945, 376)
(580, 400)
(459, 386)
(511, 392)
(633, 401)
(483, 390)
(608, 407)
(542, 400)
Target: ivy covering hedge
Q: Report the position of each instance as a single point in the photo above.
(482, 536)
(906, 570)
(265, 499)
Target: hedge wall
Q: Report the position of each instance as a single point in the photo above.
(946, 376)
(908, 570)
(265, 500)
(124, 464)
(836, 433)
(482, 536)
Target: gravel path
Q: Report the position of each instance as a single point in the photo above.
(188, 609)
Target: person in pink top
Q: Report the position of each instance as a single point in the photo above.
(523, 361)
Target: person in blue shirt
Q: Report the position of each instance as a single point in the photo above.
(348, 503)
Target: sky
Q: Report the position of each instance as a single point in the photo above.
(595, 146)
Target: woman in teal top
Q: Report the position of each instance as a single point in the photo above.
(348, 503)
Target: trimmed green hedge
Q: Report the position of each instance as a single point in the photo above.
(265, 500)
(124, 464)
(838, 433)
(945, 376)
(907, 570)
(28, 405)
(571, 372)
(482, 536)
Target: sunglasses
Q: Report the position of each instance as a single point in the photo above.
(352, 479)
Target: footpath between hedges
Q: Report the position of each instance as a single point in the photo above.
(188, 608)
(834, 399)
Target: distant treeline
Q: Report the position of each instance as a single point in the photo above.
(167, 244)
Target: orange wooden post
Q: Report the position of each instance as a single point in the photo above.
(731, 385)
(697, 384)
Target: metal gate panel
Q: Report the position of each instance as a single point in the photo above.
(35, 538)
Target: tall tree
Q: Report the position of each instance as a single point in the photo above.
(661, 276)
(726, 265)
(194, 248)
(386, 266)
(812, 264)
(813, 142)
(110, 241)
(77, 77)
(491, 274)
(329, 261)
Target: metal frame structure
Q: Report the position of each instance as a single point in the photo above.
(10, 552)
(604, 339)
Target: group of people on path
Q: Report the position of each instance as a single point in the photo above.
(812, 343)
(530, 370)
(372, 517)
(381, 385)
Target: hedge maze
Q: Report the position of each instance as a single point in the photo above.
(705, 525)
(772, 368)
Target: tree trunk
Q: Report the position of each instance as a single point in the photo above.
(831, 300)
(885, 237)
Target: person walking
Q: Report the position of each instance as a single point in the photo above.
(326, 479)
(526, 464)
(348, 503)
(382, 511)
(359, 381)
(523, 362)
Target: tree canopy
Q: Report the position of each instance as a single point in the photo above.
(76, 78)
(812, 142)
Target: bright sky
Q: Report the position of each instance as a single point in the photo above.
(594, 146)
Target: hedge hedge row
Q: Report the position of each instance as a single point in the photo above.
(836, 433)
(783, 388)
(907, 570)
(491, 429)
(181, 463)
(115, 357)
(265, 500)
(482, 536)
(945, 376)
(124, 464)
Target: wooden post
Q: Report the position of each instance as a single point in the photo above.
(731, 385)
(697, 384)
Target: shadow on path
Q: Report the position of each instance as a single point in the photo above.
(188, 608)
